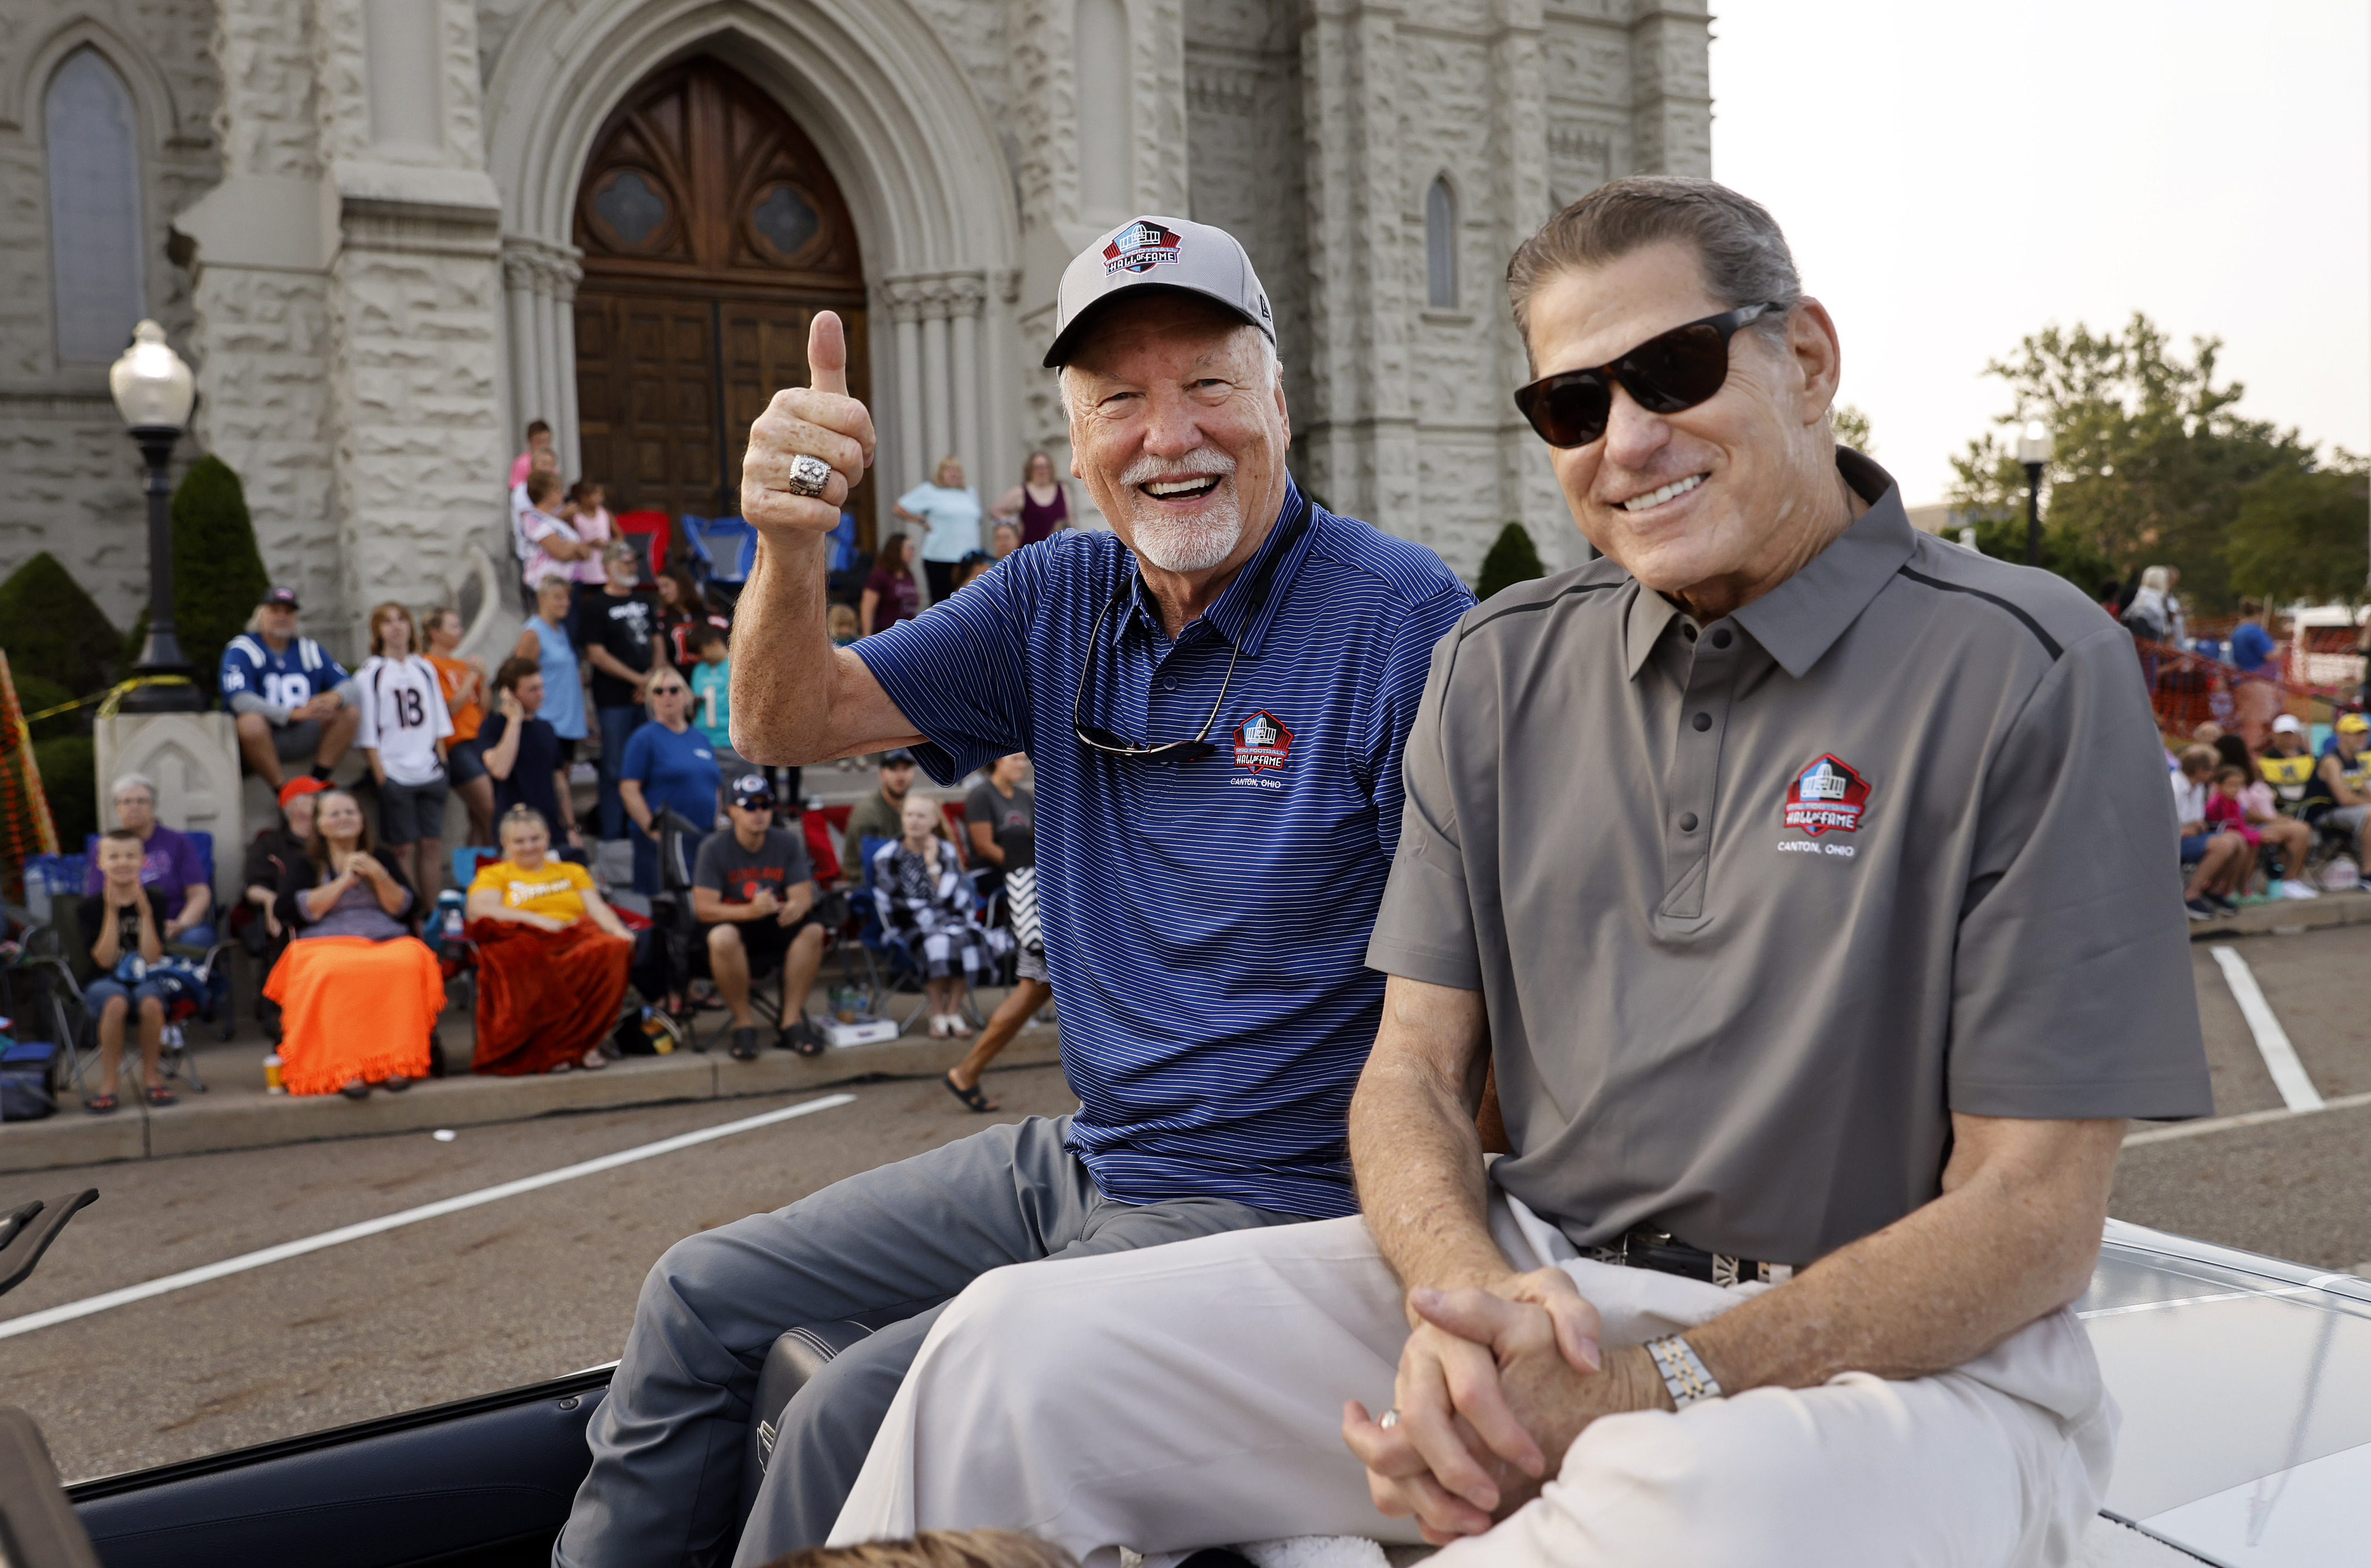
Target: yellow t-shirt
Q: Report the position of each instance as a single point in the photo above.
(555, 888)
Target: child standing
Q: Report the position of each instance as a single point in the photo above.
(711, 690)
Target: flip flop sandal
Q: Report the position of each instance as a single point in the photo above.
(100, 1104)
(354, 1089)
(972, 1097)
(160, 1095)
(745, 1044)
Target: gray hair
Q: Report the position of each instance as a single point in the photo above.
(2157, 578)
(1743, 255)
(132, 781)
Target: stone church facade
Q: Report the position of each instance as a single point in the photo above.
(387, 232)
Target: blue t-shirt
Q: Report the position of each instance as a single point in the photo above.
(677, 772)
(2250, 646)
(290, 678)
(1205, 924)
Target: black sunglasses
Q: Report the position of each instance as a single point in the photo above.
(1112, 744)
(1669, 372)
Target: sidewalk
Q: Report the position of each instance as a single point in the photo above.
(2288, 916)
(235, 1113)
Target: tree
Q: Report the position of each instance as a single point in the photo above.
(2152, 455)
(217, 571)
(1514, 559)
(1852, 429)
(52, 629)
(2301, 533)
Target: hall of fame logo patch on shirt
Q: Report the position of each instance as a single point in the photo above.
(1827, 796)
(1140, 248)
(1262, 742)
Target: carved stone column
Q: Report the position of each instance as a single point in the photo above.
(966, 294)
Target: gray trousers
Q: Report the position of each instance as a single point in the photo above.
(892, 1245)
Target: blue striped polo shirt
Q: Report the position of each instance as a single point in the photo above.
(1206, 922)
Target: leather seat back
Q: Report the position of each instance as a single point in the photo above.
(794, 1359)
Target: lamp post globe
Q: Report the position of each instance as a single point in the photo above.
(2033, 446)
(153, 391)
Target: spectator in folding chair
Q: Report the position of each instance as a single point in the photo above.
(552, 957)
(276, 851)
(669, 766)
(359, 993)
(919, 887)
(123, 927)
(169, 863)
(753, 891)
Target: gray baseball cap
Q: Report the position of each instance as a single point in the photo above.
(1156, 253)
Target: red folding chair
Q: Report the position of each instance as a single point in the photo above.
(655, 528)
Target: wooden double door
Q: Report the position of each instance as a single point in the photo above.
(711, 234)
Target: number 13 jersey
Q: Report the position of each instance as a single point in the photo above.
(404, 716)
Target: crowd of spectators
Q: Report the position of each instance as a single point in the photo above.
(2283, 821)
(631, 667)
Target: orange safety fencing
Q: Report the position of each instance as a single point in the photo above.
(2188, 690)
(26, 828)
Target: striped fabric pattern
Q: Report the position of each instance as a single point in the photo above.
(1204, 924)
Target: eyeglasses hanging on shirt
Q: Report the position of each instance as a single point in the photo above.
(1112, 744)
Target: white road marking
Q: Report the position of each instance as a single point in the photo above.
(2245, 1119)
(443, 1207)
(2271, 1041)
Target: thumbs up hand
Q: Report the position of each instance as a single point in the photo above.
(821, 421)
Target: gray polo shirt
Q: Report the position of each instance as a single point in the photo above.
(1754, 907)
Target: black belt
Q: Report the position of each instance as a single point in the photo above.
(1644, 1247)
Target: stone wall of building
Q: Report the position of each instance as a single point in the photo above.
(73, 480)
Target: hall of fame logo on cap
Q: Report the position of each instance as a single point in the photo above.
(1140, 248)
(1827, 796)
(1262, 742)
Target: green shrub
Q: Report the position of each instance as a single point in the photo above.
(69, 765)
(52, 629)
(217, 571)
(1514, 559)
(35, 693)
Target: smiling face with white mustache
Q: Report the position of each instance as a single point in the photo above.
(1179, 431)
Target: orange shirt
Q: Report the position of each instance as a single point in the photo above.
(450, 674)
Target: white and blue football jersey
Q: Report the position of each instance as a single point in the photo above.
(289, 678)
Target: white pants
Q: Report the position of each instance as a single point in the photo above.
(1190, 1395)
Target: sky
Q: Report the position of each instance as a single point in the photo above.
(1954, 176)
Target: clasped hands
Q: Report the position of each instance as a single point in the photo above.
(1495, 1384)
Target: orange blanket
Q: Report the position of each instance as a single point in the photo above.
(350, 1008)
(545, 997)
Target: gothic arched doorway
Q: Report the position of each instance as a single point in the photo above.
(711, 233)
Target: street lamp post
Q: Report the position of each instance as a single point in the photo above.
(2034, 452)
(154, 392)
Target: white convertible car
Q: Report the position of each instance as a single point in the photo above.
(2245, 1383)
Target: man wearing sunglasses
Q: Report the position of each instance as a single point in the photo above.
(1804, 878)
(1215, 695)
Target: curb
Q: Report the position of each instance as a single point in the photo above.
(2289, 917)
(214, 1123)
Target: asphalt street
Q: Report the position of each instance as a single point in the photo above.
(521, 1289)
(531, 1286)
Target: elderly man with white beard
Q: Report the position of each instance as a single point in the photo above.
(1215, 695)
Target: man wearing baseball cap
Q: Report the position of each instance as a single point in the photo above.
(1215, 695)
(2340, 794)
(289, 699)
(753, 891)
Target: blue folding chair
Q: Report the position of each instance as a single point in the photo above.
(723, 549)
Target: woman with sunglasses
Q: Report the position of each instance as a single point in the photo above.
(669, 766)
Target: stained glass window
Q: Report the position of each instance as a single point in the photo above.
(630, 209)
(786, 220)
(96, 274)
